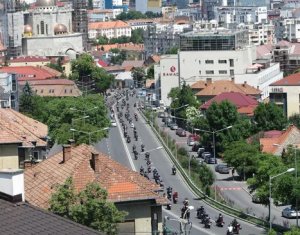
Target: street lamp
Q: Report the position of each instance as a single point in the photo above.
(89, 133)
(270, 192)
(83, 111)
(296, 176)
(214, 144)
(77, 119)
(186, 105)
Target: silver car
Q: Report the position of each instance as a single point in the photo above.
(288, 212)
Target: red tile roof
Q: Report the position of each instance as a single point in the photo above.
(121, 183)
(102, 63)
(23, 59)
(276, 143)
(240, 100)
(27, 73)
(50, 82)
(108, 25)
(18, 128)
(291, 80)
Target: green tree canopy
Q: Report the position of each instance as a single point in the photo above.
(89, 207)
(172, 51)
(138, 74)
(63, 114)
(26, 103)
(295, 120)
(150, 72)
(85, 71)
(269, 117)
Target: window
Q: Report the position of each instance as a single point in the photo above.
(36, 155)
(199, 61)
(231, 62)
(199, 71)
(231, 72)
(71, 91)
(209, 61)
(42, 91)
(222, 71)
(46, 29)
(38, 29)
(222, 61)
(65, 91)
(42, 27)
(209, 72)
(50, 91)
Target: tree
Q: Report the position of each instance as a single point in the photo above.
(102, 40)
(150, 72)
(88, 207)
(172, 51)
(138, 74)
(295, 120)
(243, 157)
(269, 117)
(86, 72)
(137, 36)
(26, 103)
(294, 231)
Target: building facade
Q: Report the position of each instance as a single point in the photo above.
(9, 91)
(48, 31)
(80, 21)
(110, 29)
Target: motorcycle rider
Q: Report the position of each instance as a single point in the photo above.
(173, 170)
(200, 212)
(142, 147)
(219, 221)
(207, 222)
(133, 148)
(142, 170)
(175, 197)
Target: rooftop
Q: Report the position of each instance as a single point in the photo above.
(23, 59)
(121, 183)
(25, 219)
(219, 32)
(218, 87)
(108, 25)
(18, 128)
(291, 80)
(27, 73)
(133, 63)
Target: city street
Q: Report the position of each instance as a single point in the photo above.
(122, 152)
(232, 190)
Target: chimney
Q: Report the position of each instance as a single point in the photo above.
(95, 162)
(232, 79)
(66, 152)
(71, 142)
(12, 185)
(245, 83)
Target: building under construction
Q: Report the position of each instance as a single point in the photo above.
(12, 27)
(80, 20)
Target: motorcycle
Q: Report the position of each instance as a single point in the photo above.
(128, 139)
(220, 223)
(230, 230)
(207, 223)
(237, 228)
(174, 171)
(175, 197)
(169, 206)
(135, 155)
(142, 148)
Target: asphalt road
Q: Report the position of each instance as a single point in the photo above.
(233, 191)
(116, 147)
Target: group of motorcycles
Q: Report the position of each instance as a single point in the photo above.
(233, 228)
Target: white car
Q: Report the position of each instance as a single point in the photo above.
(289, 213)
(113, 123)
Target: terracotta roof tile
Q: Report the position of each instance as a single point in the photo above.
(108, 25)
(288, 137)
(198, 85)
(23, 59)
(291, 80)
(122, 184)
(18, 128)
(218, 87)
(27, 73)
(133, 63)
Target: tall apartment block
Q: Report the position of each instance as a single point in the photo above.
(12, 27)
(80, 21)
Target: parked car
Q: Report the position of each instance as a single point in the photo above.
(174, 126)
(210, 160)
(255, 199)
(180, 132)
(288, 212)
(204, 154)
(222, 168)
(113, 123)
(161, 115)
(200, 151)
(190, 141)
(195, 147)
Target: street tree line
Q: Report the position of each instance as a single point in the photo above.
(237, 148)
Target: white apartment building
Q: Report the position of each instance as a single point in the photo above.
(261, 34)
(240, 14)
(166, 77)
(224, 55)
(148, 5)
(110, 29)
(292, 29)
(99, 4)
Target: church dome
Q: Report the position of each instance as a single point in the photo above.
(45, 3)
(27, 29)
(60, 29)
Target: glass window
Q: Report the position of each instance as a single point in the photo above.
(231, 72)
(209, 72)
(222, 71)
(222, 61)
(42, 27)
(231, 62)
(209, 61)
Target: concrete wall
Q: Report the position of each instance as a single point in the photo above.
(52, 46)
(9, 156)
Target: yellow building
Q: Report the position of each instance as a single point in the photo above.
(22, 139)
